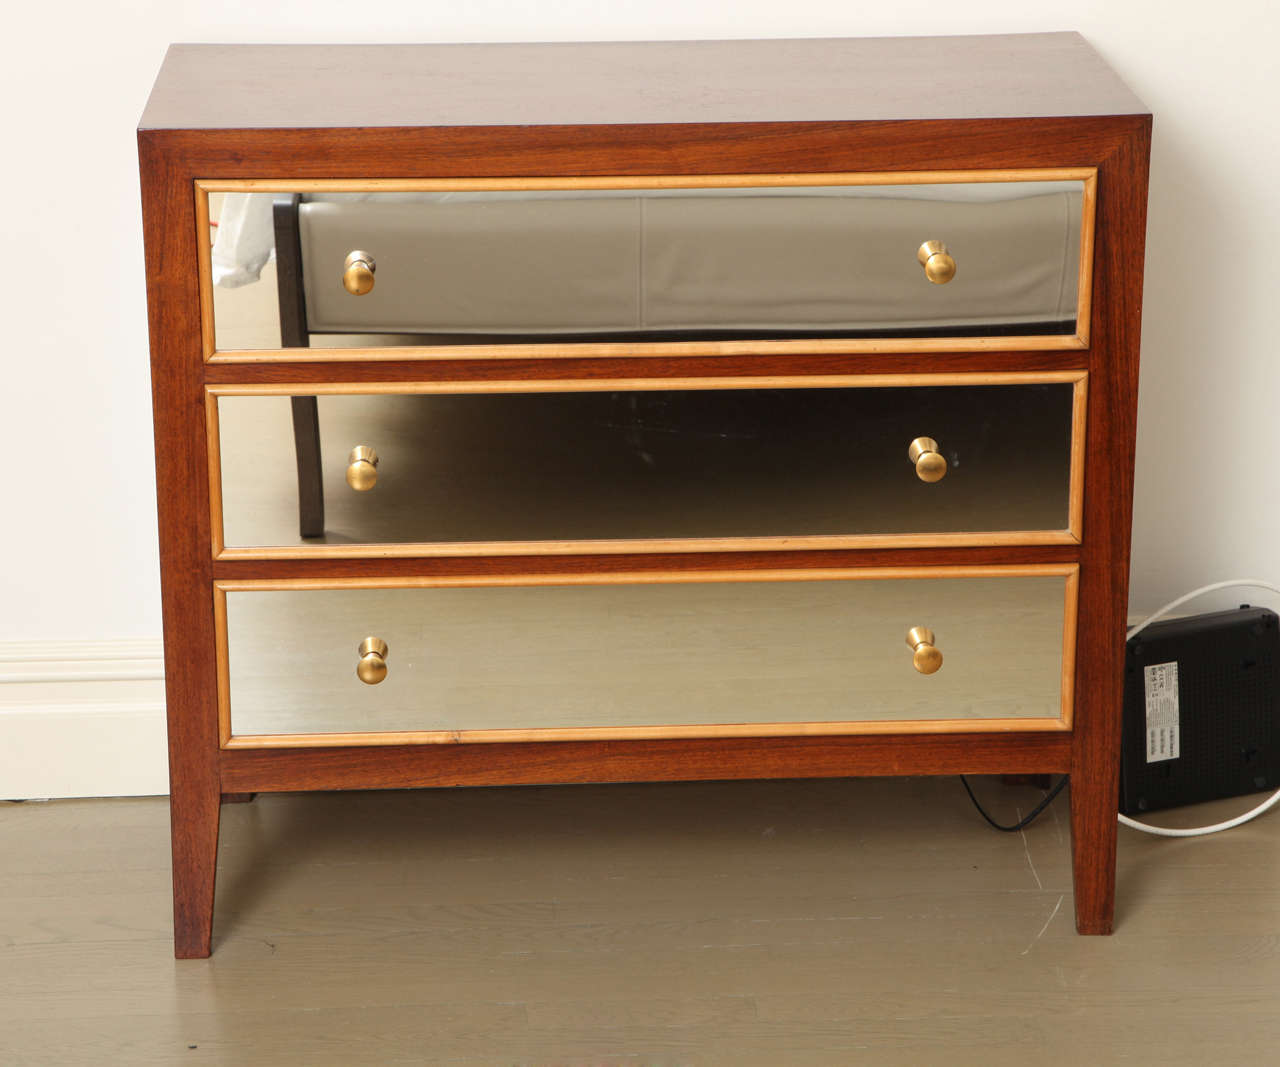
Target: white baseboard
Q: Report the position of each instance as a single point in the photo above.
(82, 719)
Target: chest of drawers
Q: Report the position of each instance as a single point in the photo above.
(625, 412)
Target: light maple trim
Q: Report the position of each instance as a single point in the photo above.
(214, 439)
(611, 385)
(1075, 488)
(552, 350)
(653, 181)
(204, 274)
(648, 733)
(623, 349)
(1070, 621)
(1084, 282)
(672, 577)
(222, 647)
(624, 546)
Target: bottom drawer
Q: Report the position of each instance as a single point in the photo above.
(673, 655)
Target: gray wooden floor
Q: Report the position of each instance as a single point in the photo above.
(827, 922)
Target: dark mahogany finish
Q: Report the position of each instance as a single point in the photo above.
(893, 105)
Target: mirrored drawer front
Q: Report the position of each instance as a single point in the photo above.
(952, 463)
(662, 658)
(596, 259)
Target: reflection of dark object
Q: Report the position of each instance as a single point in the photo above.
(762, 423)
(771, 435)
(1217, 678)
(767, 434)
(652, 423)
(770, 428)
(294, 334)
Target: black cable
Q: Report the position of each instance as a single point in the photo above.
(1023, 823)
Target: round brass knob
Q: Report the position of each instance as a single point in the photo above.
(925, 657)
(357, 273)
(362, 468)
(939, 266)
(930, 464)
(372, 667)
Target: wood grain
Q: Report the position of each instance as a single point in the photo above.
(1070, 625)
(1042, 75)
(680, 575)
(268, 770)
(573, 385)
(652, 181)
(513, 568)
(799, 542)
(644, 149)
(1008, 104)
(898, 727)
(799, 922)
(1075, 494)
(224, 665)
(217, 538)
(182, 486)
(650, 349)
(1084, 284)
(625, 368)
(1108, 502)
(204, 266)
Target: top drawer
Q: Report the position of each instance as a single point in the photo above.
(700, 265)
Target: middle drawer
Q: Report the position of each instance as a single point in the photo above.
(801, 463)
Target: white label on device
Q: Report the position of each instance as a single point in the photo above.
(1161, 683)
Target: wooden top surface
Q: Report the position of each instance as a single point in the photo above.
(625, 83)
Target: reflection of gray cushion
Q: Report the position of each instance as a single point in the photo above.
(564, 263)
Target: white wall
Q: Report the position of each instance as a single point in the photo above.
(77, 538)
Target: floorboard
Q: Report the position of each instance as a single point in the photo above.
(823, 922)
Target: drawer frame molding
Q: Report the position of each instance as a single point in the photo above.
(1088, 176)
(1054, 107)
(1071, 535)
(1070, 572)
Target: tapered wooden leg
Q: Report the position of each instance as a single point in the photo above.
(1093, 851)
(1095, 755)
(193, 814)
(306, 441)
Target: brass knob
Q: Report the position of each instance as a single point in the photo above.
(939, 267)
(930, 464)
(925, 657)
(372, 667)
(357, 273)
(362, 468)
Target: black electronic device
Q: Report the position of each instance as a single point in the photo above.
(1201, 710)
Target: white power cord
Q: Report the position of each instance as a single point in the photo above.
(1271, 801)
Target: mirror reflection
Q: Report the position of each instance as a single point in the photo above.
(582, 657)
(349, 469)
(326, 270)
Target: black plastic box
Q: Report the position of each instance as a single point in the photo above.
(1201, 710)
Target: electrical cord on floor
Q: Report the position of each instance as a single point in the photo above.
(1133, 824)
(1026, 820)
